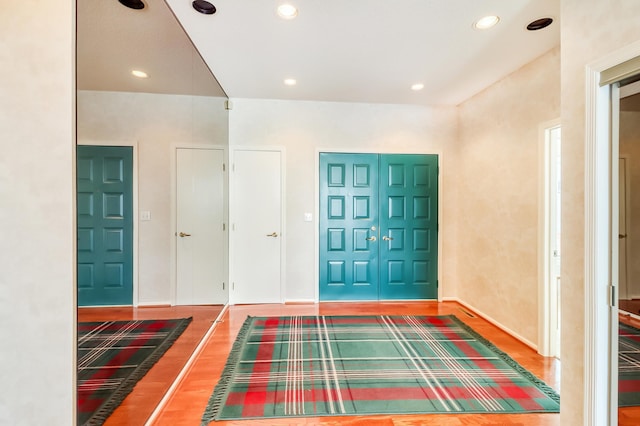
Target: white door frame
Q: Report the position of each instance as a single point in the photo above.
(382, 150)
(601, 322)
(283, 221)
(134, 146)
(547, 290)
(173, 269)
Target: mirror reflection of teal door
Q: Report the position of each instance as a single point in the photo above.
(378, 226)
(105, 225)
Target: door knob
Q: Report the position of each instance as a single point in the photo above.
(273, 234)
(182, 234)
(385, 238)
(371, 239)
(621, 236)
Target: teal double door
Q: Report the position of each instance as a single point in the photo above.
(378, 226)
(105, 225)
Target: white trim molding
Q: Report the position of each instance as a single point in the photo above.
(487, 318)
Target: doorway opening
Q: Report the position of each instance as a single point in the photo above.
(550, 231)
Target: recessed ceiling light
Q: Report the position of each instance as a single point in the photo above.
(204, 7)
(539, 24)
(287, 11)
(132, 4)
(139, 74)
(486, 22)
(417, 86)
(290, 81)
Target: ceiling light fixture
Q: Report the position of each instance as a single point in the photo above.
(204, 7)
(539, 24)
(417, 86)
(132, 4)
(486, 22)
(139, 74)
(287, 11)
(290, 81)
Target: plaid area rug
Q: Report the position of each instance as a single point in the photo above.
(628, 366)
(350, 365)
(113, 356)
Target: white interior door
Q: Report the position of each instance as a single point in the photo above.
(622, 231)
(200, 234)
(256, 227)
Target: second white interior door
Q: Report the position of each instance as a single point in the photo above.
(256, 227)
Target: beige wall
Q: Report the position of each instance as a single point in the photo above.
(303, 128)
(155, 122)
(37, 305)
(498, 173)
(630, 148)
(591, 29)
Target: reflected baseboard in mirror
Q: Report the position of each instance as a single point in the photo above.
(138, 406)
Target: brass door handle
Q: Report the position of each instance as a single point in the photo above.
(182, 234)
(385, 238)
(621, 236)
(273, 234)
(371, 239)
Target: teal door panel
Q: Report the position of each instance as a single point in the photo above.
(105, 225)
(378, 226)
(348, 245)
(408, 226)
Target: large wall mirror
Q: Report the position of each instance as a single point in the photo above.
(628, 129)
(152, 132)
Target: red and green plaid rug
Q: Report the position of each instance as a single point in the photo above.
(351, 365)
(113, 356)
(628, 366)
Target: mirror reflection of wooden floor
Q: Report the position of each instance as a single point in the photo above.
(632, 306)
(140, 403)
(186, 405)
(629, 416)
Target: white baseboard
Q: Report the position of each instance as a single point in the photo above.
(153, 304)
(492, 321)
(299, 302)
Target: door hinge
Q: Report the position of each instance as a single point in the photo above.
(612, 301)
(223, 285)
(233, 286)
(224, 227)
(224, 167)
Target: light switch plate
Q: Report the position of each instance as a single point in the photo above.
(145, 215)
(308, 217)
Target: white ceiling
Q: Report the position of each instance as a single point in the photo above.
(338, 50)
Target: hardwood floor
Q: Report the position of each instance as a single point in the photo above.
(186, 405)
(632, 306)
(140, 403)
(629, 416)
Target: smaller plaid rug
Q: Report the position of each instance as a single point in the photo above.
(349, 365)
(628, 366)
(113, 356)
